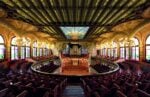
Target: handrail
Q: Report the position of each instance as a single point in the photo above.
(113, 66)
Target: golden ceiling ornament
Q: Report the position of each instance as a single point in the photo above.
(112, 44)
(22, 25)
(23, 41)
(126, 26)
(146, 13)
(2, 13)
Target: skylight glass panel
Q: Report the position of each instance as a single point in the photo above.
(74, 32)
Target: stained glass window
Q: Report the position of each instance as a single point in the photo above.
(41, 52)
(108, 52)
(115, 52)
(14, 49)
(34, 49)
(112, 52)
(25, 48)
(2, 47)
(148, 48)
(38, 52)
(127, 52)
(122, 52)
(135, 49)
(22, 52)
(2, 50)
(27, 52)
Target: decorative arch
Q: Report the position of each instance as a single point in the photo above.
(148, 40)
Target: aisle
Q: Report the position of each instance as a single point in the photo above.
(73, 91)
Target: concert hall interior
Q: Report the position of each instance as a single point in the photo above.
(74, 48)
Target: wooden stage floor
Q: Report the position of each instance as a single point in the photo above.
(75, 66)
(90, 71)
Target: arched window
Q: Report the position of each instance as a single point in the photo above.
(2, 48)
(135, 49)
(148, 48)
(104, 51)
(35, 49)
(23, 51)
(127, 48)
(44, 49)
(41, 52)
(25, 48)
(14, 49)
(127, 52)
(109, 52)
(48, 50)
(122, 50)
(114, 51)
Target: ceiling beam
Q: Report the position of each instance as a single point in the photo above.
(79, 7)
(84, 24)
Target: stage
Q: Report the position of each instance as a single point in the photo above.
(74, 66)
(76, 72)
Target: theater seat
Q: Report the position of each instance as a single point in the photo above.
(142, 93)
(96, 94)
(46, 94)
(3, 92)
(22, 94)
(120, 94)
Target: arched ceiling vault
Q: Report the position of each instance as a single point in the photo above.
(120, 17)
(21, 30)
(126, 30)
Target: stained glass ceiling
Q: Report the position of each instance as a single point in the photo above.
(74, 32)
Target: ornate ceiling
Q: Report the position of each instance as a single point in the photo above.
(101, 16)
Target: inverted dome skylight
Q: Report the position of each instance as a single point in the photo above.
(74, 32)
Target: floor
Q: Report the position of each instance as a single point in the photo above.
(73, 91)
